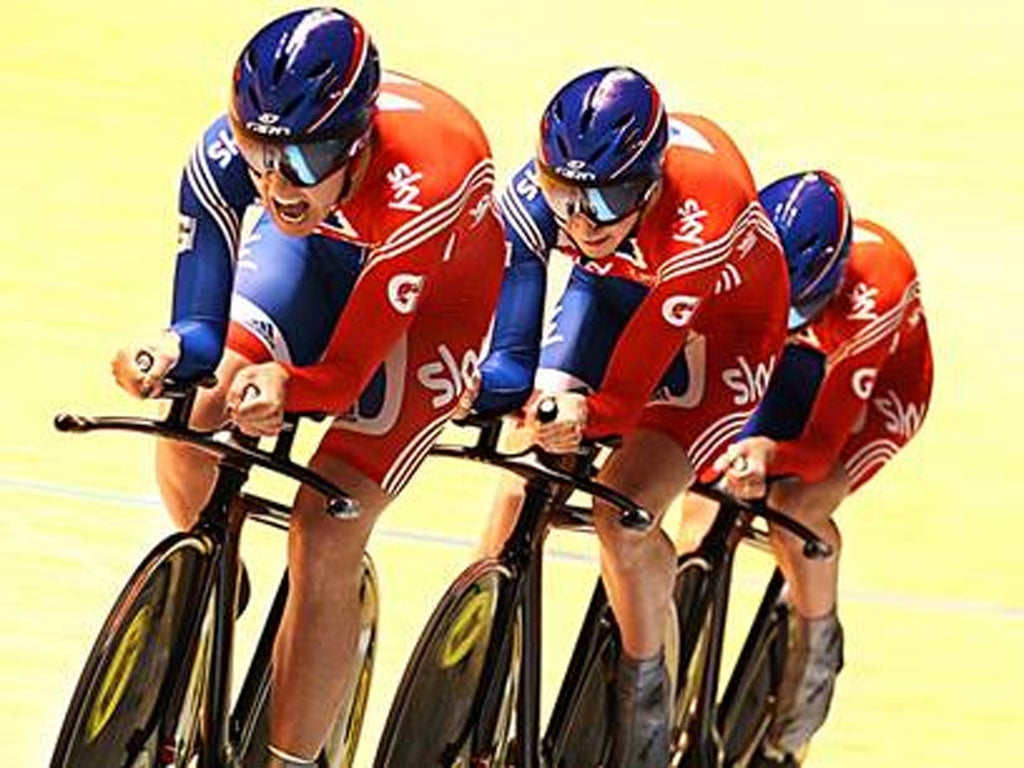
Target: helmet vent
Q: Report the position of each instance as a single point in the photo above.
(563, 148)
(586, 118)
(287, 107)
(280, 64)
(321, 69)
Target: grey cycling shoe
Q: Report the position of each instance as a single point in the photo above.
(642, 714)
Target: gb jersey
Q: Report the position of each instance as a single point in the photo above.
(703, 233)
(421, 210)
(864, 334)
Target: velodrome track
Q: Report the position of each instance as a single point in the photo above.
(916, 106)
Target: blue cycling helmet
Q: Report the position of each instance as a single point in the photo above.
(605, 132)
(309, 76)
(812, 216)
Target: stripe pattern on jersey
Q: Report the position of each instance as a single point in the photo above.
(412, 455)
(435, 219)
(715, 253)
(715, 438)
(869, 458)
(879, 329)
(522, 223)
(205, 188)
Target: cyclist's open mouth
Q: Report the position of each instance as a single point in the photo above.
(291, 211)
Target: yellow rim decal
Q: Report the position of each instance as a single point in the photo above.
(118, 673)
(467, 628)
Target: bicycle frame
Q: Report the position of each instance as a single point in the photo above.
(226, 734)
(544, 507)
(716, 556)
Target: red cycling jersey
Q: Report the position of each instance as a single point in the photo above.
(878, 373)
(704, 236)
(422, 209)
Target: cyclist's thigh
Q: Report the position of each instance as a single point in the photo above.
(736, 340)
(650, 467)
(895, 412)
(288, 294)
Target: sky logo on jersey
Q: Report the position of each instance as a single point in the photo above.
(404, 292)
(901, 419)
(749, 382)
(863, 302)
(689, 226)
(448, 376)
(677, 310)
(223, 149)
(403, 183)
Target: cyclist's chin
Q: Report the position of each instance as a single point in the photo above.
(600, 247)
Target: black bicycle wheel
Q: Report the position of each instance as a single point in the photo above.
(693, 616)
(454, 702)
(583, 740)
(340, 748)
(118, 713)
(751, 694)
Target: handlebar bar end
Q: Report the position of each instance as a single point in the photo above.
(638, 519)
(69, 422)
(343, 508)
(817, 550)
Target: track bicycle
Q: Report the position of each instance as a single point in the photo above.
(726, 730)
(709, 730)
(156, 688)
(470, 694)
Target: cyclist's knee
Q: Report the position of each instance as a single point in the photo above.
(624, 547)
(814, 658)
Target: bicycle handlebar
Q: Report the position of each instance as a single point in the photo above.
(529, 464)
(814, 547)
(221, 444)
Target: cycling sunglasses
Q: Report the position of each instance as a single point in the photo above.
(302, 163)
(602, 204)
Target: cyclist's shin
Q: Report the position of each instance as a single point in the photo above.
(642, 714)
(814, 657)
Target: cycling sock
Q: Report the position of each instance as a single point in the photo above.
(642, 714)
(814, 657)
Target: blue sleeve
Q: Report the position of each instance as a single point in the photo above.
(215, 191)
(507, 371)
(792, 390)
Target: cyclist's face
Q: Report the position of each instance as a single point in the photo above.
(598, 241)
(297, 211)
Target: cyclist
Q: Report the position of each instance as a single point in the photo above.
(365, 289)
(851, 390)
(666, 331)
